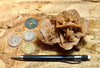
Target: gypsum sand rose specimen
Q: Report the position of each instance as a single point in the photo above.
(66, 29)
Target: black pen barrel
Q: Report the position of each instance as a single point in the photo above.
(53, 57)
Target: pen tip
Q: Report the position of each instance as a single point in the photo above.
(17, 57)
(89, 57)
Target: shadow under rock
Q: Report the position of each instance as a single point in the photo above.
(81, 44)
(58, 49)
(43, 46)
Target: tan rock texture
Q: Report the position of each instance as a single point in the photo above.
(13, 14)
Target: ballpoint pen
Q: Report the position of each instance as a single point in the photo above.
(52, 57)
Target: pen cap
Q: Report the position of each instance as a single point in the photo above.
(89, 57)
(86, 57)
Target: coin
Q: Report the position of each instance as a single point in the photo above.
(28, 35)
(31, 23)
(28, 48)
(14, 40)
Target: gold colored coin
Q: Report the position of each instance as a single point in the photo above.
(28, 48)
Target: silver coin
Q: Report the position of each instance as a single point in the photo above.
(14, 40)
(28, 35)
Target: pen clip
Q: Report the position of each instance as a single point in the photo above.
(72, 62)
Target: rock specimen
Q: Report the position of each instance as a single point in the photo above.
(66, 29)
